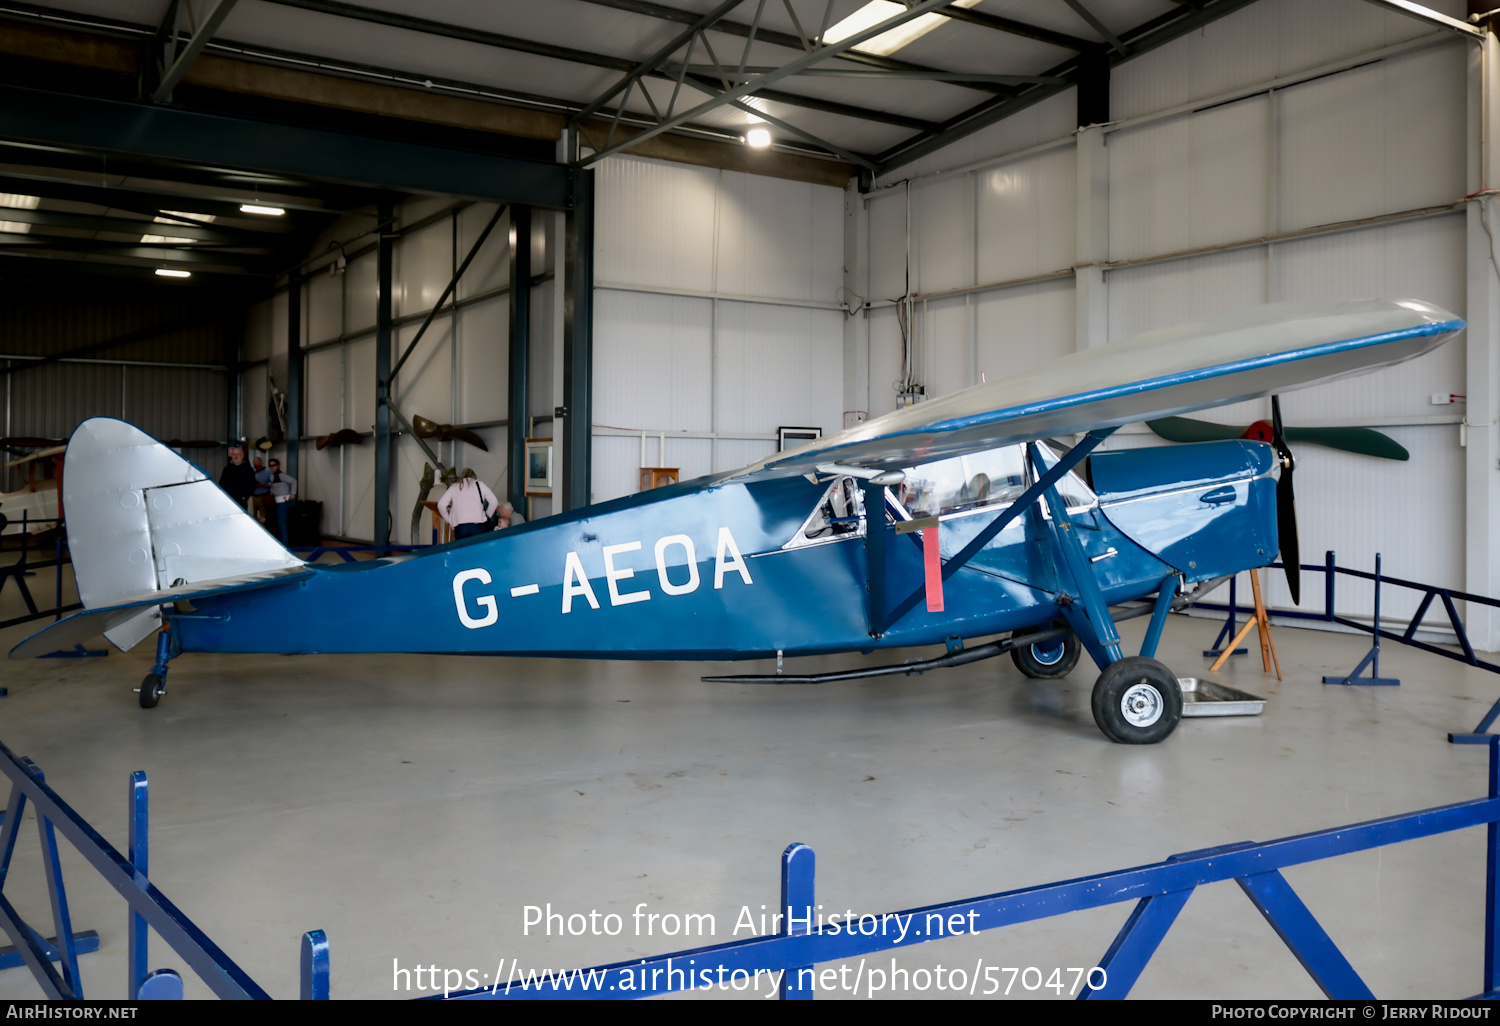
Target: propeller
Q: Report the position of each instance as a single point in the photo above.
(446, 432)
(1365, 441)
(1286, 506)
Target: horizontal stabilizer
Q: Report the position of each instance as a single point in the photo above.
(82, 626)
(1248, 354)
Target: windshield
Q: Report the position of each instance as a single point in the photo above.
(979, 480)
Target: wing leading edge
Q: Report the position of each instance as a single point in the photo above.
(1212, 362)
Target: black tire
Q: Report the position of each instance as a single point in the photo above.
(1046, 660)
(1137, 701)
(152, 688)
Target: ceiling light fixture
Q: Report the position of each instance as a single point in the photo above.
(758, 137)
(887, 43)
(256, 208)
(169, 272)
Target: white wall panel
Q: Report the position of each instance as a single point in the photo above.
(1374, 140)
(359, 492)
(323, 302)
(1176, 291)
(253, 403)
(1020, 327)
(778, 365)
(1417, 259)
(652, 361)
(324, 391)
(484, 361)
(655, 223)
(425, 385)
(1191, 181)
(885, 359)
(423, 268)
(1052, 118)
(942, 236)
(359, 293)
(491, 266)
(318, 481)
(1359, 505)
(780, 238)
(946, 343)
(888, 246)
(359, 384)
(1025, 216)
(1265, 40)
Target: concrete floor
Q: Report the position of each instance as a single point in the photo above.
(412, 807)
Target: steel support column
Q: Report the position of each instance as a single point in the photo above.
(385, 251)
(520, 354)
(578, 345)
(293, 372)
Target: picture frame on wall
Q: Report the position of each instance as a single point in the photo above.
(791, 437)
(538, 466)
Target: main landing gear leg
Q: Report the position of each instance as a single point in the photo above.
(154, 685)
(1136, 700)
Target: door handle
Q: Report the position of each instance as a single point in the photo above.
(1218, 496)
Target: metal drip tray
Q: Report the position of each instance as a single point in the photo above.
(1210, 698)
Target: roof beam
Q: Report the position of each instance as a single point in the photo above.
(171, 65)
(1097, 25)
(130, 226)
(816, 56)
(124, 197)
(1427, 14)
(95, 125)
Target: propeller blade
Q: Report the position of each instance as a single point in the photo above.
(1365, 441)
(1186, 429)
(1286, 507)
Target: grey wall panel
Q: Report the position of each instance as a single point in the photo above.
(885, 359)
(888, 246)
(175, 402)
(253, 396)
(945, 344)
(50, 401)
(359, 384)
(942, 237)
(324, 391)
(359, 492)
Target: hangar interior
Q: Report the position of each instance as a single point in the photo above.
(545, 223)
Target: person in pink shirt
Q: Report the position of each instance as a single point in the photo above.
(469, 506)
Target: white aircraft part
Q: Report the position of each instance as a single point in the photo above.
(141, 518)
(1248, 354)
(38, 505)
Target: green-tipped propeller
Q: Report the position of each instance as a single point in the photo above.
(1365, 441)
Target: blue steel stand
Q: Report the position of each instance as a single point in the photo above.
(1372, 657)
(798, 872)
(1230, 628)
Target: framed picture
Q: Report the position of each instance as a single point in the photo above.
(538, 466)
(791, 437)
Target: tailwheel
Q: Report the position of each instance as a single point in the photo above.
(1137, 701)
(1045, 660)
(153, 686)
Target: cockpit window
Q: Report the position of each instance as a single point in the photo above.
(839, 514)
(980, 480)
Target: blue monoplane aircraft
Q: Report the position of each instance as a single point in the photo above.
(942, 524)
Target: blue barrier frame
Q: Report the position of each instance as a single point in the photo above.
(148, 907)
(1159, 892)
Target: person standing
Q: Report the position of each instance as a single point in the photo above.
(238, 479)
(469, 506)
(283, 489)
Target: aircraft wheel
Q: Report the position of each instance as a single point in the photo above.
(151, 689)
(1047, 660)
(1137, 701)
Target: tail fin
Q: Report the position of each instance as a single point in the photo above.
(141, 519)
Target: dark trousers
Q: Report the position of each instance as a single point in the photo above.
(468, 530)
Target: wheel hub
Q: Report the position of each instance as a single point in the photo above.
(1049, 653)
(1141, 705)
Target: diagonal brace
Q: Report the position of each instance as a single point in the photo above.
(1303, 934)
(167, 34)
